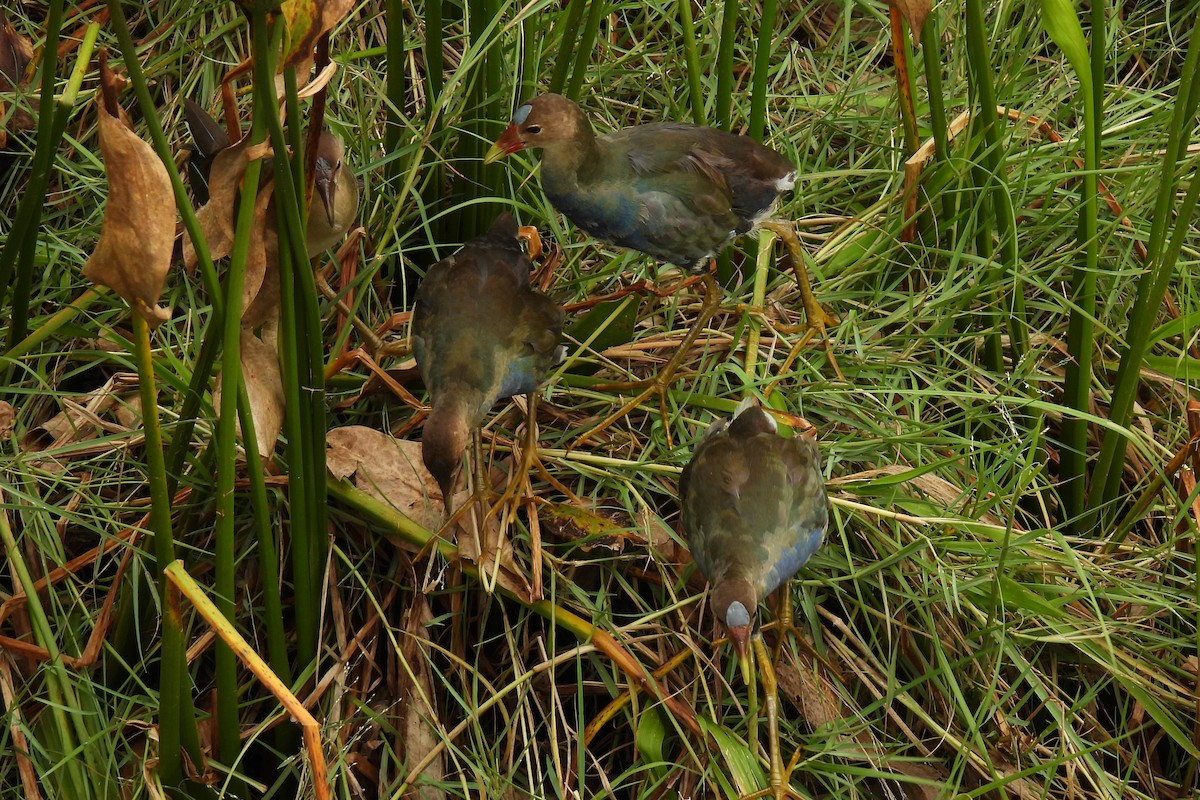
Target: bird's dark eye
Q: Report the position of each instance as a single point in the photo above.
(534, 129)
(338, 166)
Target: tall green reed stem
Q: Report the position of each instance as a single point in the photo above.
(567, 41)
(762, 70)
(21, 242)
(225, 531)
(299, 343)
(724, 100)
(995, 205)
(177, 716)
(931, 53)
(691, 58)
(1161, 260)
(397, 84)
(1062, 23)
(583, 49)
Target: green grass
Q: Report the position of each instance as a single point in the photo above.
(974, 626)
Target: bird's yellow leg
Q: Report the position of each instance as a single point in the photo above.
(659, 384)
(780, 786)
(816, 318)
(519, 488)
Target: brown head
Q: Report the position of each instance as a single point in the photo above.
(330, 152)
(735, 602)
(442, 444)
(544, 121)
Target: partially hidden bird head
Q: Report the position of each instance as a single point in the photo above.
(735, 602)
(544, 121)
(330, 152)
(442, 444)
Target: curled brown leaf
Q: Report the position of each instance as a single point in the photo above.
(134, 251)
(307, 21)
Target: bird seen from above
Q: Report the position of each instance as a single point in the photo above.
(480, 334)
(754, 511)
(675, 191)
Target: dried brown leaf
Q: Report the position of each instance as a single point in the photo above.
(216, 216)
(388, 469)
(16, 51)
(307, 21)
(260, 297)
(7, 416)
(84, 418)
(810, 691)
(418, 707)
(134, 251)
(915, 13)
(264, 385)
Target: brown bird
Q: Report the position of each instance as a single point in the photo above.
(675, 191)
(754, 511)
(480, 334)
(337, 188)
(334, 183)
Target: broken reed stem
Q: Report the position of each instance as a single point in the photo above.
(182, 583)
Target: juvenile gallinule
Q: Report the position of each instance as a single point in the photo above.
(337, 187)
(480, 333)
(333, 183)
(675, 191)
(754, 511)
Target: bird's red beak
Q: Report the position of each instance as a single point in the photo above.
(740, 636)
(508, 143)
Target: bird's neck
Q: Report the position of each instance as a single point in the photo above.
(458, 404)
(569, 164)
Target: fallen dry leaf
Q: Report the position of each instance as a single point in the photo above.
(388, 469)
(307, 21)
(418, 706)
(216, 216)
(7, 417)
(260, 295)
(83, 418)
(915, 13)
(264, 385)
(16, 51)
(134, 251)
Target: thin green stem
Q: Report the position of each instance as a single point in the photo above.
(691, 57)
(723, 108)
(583, 51)
(396, 66)
(762, 70)
(568, 41)
(17, 255)
(175, 707)
(931, 53)
(225, 530)
(1161, 260)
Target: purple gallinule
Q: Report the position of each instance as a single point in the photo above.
(754, 511)
(480, 333)
(675, 191)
